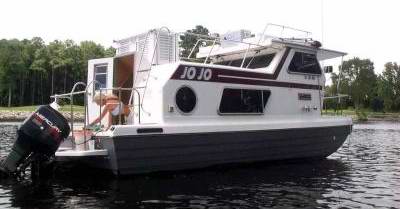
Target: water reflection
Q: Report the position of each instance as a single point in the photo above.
(302, 185)
(364, 173)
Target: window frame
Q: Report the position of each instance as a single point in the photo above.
(95, 74)
(244, 113)
(304, 73)
(249, 58)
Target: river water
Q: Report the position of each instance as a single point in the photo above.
(364, 173)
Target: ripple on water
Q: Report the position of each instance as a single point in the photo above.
(363, 173)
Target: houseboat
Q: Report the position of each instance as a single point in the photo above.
(235, 98)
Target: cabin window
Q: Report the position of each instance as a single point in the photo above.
(304, 63)
(243, 101)
(251, 62)
(100, 75)
(185, 99)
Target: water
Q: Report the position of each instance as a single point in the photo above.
(364, 173)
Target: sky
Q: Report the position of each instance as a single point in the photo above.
(362, 28)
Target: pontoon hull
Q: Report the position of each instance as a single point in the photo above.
(167, 152)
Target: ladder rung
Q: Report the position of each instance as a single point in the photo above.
(143, 70)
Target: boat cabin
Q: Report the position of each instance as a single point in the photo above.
(238, 76)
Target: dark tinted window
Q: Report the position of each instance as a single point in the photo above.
(100, 75)
(185, 99)
(305, 63)
(250, 62)
(304, 96)
(243, 101)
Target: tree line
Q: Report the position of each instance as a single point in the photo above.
(31, 70)
(365, 88)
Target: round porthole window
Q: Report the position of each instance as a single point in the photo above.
(185, 99)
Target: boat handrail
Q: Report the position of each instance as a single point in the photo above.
(337, 96)
(130, 102)
(86, 109)
(283, 28)
(217, 40)
(151, 62)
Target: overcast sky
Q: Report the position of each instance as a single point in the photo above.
(364, 28)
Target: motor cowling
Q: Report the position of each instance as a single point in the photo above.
(41, 133)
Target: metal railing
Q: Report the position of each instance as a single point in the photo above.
(86, 93)
(338, 98)
(130, 102)
(217, 40)
(142, 51)
(307, 34)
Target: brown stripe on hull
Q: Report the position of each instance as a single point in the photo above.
(268, 83)
(221, 75)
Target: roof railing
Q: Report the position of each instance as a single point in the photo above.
(217, 40)
(283, 28)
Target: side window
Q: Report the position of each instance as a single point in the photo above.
(100, 75)
(244, 101)
(304, 63)
(250, 62)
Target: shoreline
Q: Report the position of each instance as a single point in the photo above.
(20, 116)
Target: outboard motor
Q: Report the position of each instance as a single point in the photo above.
(39, 135)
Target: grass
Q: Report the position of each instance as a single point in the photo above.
(65, 108)
(363, 114)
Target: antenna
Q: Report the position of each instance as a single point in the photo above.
(322, 21)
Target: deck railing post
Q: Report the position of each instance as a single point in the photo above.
(194, 47)
(209, 53)
(245, 55)
(119, 104)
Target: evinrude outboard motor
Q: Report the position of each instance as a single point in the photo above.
(40, 134)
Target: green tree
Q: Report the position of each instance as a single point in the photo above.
(188, 41)
(110, 52)
(89, 50)
(40, 67)
(57, 61)
(359, 80)
(11, 66)
(30, 70)
(389, 86)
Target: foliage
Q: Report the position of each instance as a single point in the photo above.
(30, 70)
(365, 88)
(188, 41)
(361, 115)
(359, 80)
(389, 86)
